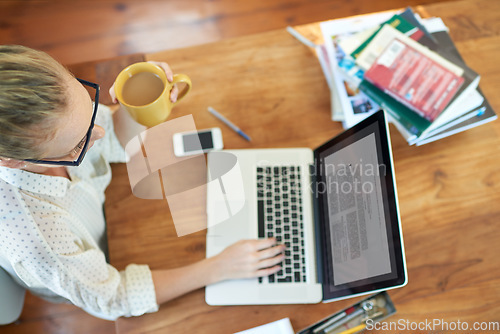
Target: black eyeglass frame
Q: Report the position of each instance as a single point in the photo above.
(79, 160)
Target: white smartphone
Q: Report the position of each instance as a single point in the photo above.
(197, 142)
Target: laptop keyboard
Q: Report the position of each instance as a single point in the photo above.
(279, 206)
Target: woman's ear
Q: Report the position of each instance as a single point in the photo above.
(12, 163)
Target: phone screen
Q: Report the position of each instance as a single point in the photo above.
(192, 141)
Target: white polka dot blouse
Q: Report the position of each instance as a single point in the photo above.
(51, 230)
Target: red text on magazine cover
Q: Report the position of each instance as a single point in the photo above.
(414, 79)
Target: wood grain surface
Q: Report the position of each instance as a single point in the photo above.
(448, 190)
(85, 30)
(273, 88)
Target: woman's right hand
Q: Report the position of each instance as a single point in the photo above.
(248, 258)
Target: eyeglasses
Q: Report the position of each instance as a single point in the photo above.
(78, 161)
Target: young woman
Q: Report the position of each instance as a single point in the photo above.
(55, 150)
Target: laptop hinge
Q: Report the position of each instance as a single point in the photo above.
(316, 218)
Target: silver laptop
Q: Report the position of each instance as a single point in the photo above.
(334, 207)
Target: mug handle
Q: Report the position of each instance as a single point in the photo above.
(185, 79)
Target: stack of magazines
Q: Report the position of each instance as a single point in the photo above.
(407, 66)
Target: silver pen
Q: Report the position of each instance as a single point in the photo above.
(365, 308)
(228, 123)
(329, 322)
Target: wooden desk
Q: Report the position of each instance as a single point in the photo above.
(273, 88)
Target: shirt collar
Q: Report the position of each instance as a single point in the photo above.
(35, 183)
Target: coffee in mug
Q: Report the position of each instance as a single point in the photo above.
(142, 88)
(144, 91)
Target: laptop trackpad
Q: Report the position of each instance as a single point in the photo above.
(282, 293)
(228, 232)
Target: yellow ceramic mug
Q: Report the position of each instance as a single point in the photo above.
(144, 91)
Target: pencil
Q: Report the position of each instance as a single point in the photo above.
(353, 330)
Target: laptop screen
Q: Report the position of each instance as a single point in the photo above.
(359, 232)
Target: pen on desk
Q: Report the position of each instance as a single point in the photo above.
(299, 37)
(228, 123)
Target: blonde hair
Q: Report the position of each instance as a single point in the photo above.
(32, 96)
